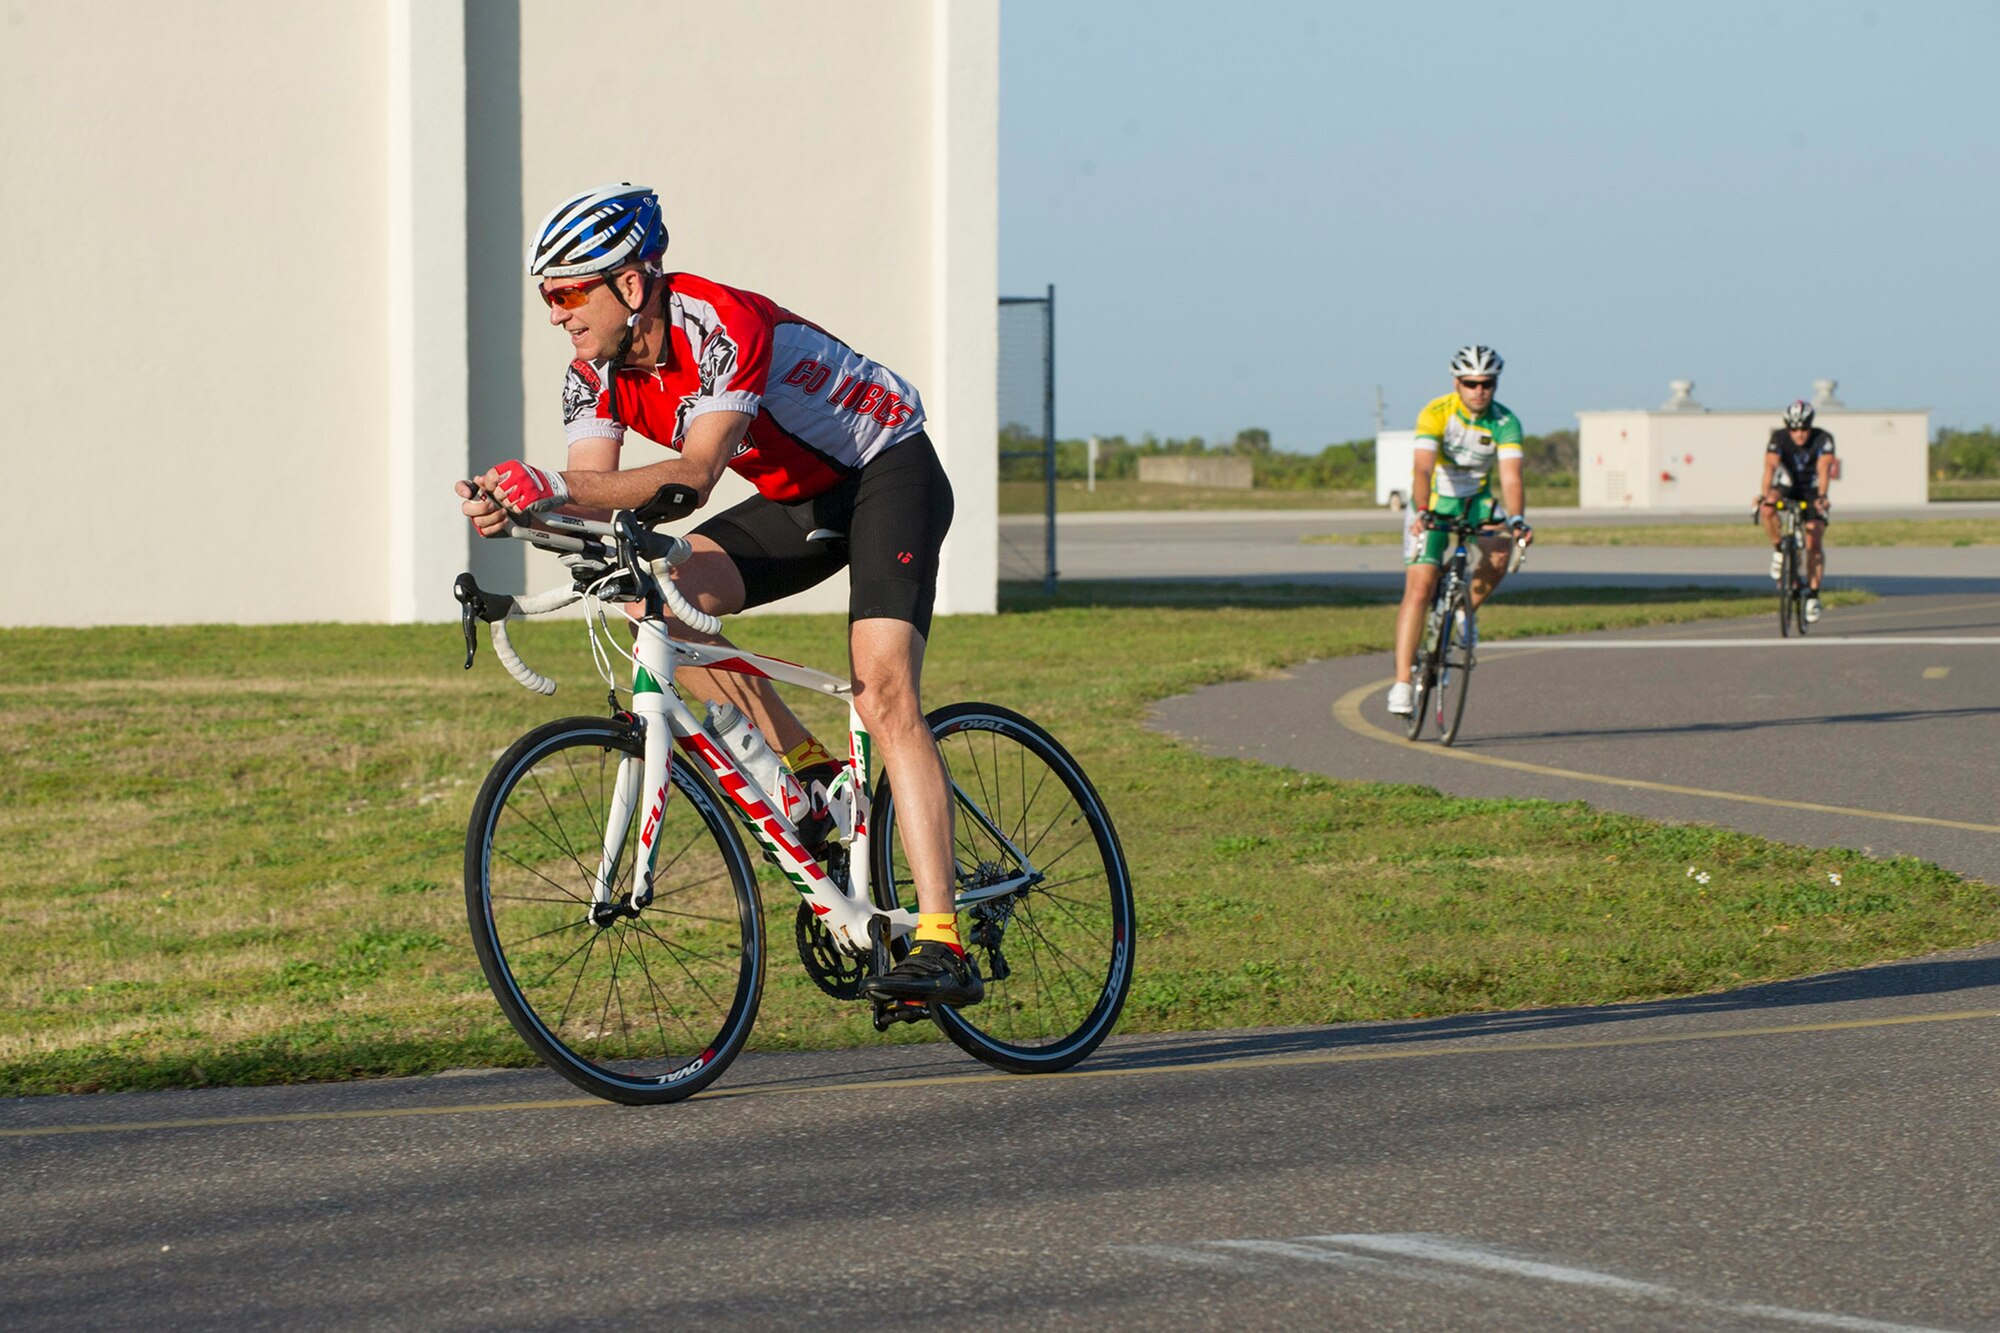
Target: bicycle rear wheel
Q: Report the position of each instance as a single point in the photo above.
(1455, 679)
(640, 1005)
(1056, 951)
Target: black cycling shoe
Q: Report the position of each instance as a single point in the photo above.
(934, 973)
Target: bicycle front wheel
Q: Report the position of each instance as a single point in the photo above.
(1455, 679)
(1056, 949)
(1423, 674)
(637, 1002)
(1788, 580)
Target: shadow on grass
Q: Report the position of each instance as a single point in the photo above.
(280, 1060)
(1201, 595)
(771, 1070)
(1889, 981)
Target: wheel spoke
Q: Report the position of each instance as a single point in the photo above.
(604, 1008)
(1068, 970)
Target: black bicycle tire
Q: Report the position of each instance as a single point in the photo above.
(1787, 589)
(963, 1028)
(701, 1068)
(1461, 604)
(1423, 672)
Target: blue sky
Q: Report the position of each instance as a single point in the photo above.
(1256, 212)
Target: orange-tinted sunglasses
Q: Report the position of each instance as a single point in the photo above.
(571, 296)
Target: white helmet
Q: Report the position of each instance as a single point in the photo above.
(598, 230)
(1799, 415)
(1474, 362)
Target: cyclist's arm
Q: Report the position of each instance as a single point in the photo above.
(706, 449)
(1770, 472)
(1825, 468)
(1424, 462)
(1514, 490)
(593, 453)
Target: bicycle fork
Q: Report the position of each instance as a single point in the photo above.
(649, 773)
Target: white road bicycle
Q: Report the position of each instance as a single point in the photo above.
(614, 907)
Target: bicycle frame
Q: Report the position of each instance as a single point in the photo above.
(668, 722)
(846, 911)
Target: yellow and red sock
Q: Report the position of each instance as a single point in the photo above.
(805, 754)
(939, 926)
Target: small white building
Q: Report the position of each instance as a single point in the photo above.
(1395, 465)
(1684, 456)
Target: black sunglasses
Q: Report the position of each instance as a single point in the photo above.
(1477, 384)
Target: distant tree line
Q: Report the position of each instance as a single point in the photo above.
(1964, 455)
(1349, 466)
(1552, 458)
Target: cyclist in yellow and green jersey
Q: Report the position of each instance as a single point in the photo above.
(1462, 439)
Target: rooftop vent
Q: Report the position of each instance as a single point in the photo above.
(1683, 399)
(1823, 394)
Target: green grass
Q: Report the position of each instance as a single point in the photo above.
(1867, 532)
(1984, 488)
(232, 854)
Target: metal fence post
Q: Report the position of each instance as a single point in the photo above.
(1049, 434)
(1022, 400)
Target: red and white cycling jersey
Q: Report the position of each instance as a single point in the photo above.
(819, 409)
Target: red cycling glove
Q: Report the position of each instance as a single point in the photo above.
(527, 490)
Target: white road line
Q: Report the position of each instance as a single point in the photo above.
(1810, 641)
(1445, 1250)
(1427, 1258)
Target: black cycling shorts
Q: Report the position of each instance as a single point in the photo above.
(895, 512)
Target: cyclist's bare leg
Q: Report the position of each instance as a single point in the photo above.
(1418, 583)
(710, 579)
(1771, 502)
(888, 661)
(1492, 567)
(1815, 552)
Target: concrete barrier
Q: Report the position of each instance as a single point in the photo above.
(1228, 473)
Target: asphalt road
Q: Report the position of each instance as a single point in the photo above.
(1267, 547)
(1878, 731)
(1814, 1154)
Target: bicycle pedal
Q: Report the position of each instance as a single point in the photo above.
(888, 1013)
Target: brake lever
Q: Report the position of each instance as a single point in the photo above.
(466, 589)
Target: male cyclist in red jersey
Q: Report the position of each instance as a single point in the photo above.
(832, 440)
(1806, 455)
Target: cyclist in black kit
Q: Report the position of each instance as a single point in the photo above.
(1805, 453)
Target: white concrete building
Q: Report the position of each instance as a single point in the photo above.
(278, 296)
(1684, 456)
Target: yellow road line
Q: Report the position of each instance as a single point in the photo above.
(1227, 1064)
(1347, 711)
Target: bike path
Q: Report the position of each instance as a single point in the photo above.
(1876, 741)
(1805, 1154)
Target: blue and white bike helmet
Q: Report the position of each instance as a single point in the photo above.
(598, 230)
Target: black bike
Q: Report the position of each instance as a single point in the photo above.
(1793, 587)
(1446, 654)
